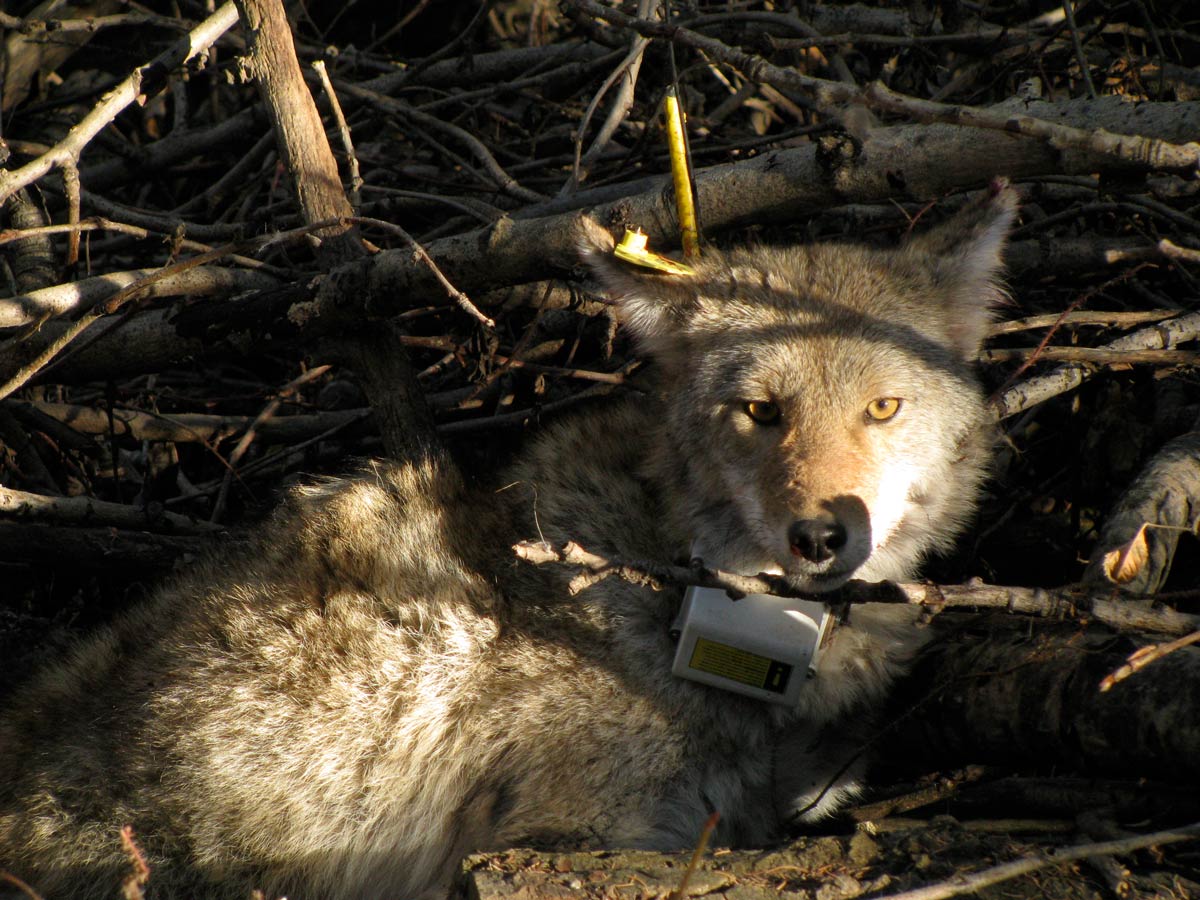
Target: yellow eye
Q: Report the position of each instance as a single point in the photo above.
(764, 412)
(883, 408)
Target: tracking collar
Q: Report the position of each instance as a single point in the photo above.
(762, 646)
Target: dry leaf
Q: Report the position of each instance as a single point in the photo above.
(1123, 564)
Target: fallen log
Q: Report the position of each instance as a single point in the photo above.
(1000, 692)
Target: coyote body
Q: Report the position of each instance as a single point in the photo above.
(376, 687)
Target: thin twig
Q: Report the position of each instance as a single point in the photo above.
(247, 438)
(100, 223)
(34, 27)
(706, 832)
(522, 417)
(1141, 658)
(1040, 352)
(280, 461)
(463, 301)
(975, 881)
(234, 181)
(145, 425)
(942, 789)
(133, 885)
(70, 179)
(1080, 58)
(339, 117)
(137, 290)
(20, 885)
(1092, 356)
(1171, 250)
(627, 72)
(479, 150)
(1085, 317)
(73, 297)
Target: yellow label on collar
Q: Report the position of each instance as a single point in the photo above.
(740, 665)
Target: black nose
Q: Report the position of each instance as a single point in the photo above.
(816, 540)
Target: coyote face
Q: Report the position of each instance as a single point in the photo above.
(820, 416)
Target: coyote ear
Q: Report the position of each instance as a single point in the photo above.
(653, 305)
(967, 261)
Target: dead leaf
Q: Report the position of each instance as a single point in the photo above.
(1122, 564)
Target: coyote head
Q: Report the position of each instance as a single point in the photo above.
(820, 416)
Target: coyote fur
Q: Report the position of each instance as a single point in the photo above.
(377, 687)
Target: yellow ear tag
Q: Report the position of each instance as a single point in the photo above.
(632, 249)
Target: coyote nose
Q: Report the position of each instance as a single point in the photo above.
(816, 540)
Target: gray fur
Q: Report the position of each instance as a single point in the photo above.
(377, 687)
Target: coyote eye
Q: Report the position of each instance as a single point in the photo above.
(883, 408)
(764, 412)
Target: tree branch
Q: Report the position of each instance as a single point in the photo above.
(144, 79)
(1061, 603)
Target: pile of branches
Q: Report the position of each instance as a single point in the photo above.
(207, 289)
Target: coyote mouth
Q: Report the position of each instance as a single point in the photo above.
(819, 582)
(824, 574)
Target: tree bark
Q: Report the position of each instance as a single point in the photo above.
(996, 691)
(405, 421)
(303, 149)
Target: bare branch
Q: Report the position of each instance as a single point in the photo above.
(975, 881)
(89, 511)
(832, 96)
(68, 299)
(1163, 336)
(300, 136)
(1069, 602)
(69, 149)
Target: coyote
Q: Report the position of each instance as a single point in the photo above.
(377, 687)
